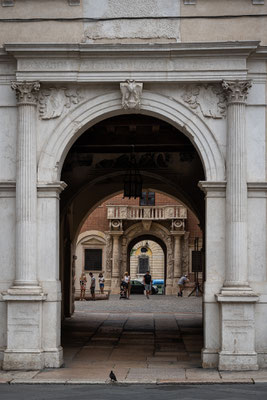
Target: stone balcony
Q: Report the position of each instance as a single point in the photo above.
(167, 212)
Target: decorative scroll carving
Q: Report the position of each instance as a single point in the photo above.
(185, 254)
(209, 99)
(236, 91)
(26, 92)
(108, 253)
(131, 94)
(53, 101)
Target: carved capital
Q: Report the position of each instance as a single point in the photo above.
(26, 92)
(236, 91)
(131, 94)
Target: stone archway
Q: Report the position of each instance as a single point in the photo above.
(91, 112)
(166, 239)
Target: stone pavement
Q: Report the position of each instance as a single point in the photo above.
(138, 341)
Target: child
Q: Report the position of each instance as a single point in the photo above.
(101, 282)
(83, 281)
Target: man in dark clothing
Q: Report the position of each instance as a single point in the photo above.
(147, 283)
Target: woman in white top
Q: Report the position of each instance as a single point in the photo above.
(127, 280)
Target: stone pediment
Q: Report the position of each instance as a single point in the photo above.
(92, 241)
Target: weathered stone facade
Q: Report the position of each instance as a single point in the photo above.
(193, 75)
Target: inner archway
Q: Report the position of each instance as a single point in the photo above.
(94, 171)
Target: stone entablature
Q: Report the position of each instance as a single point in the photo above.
(147, 212)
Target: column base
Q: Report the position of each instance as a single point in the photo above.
(23, 360)
(237, 330)
(115, 285)
(53, 358)
(210, 358)
(238, 362)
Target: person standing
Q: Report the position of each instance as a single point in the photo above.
(83, 281)
(181, 284)
(101, 282)
(92, 286)
(147, 283)
(127, 280)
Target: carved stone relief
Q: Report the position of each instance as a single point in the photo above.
(131, 94)
(115, 225)
(207, 99)
(108, 253)
(53, 101)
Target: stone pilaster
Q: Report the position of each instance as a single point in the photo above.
(236, 298)
(115, 284)
(26, 191)
(177, 271)
(177, 258)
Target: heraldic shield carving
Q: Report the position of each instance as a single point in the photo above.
(131, 94)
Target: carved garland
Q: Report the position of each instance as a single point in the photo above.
(53, 101)
(207, 99)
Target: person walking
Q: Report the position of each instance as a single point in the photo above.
(101, 282)
(181, 284)
(92, 286)
(83, 281)
(147, 282)
(127, 280)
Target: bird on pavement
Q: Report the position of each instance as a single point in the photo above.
(112, 376)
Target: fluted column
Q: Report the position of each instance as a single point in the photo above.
(236, 189)
(26, 191)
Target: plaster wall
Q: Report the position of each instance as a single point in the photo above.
(156, 28)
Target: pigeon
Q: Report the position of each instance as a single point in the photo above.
(112, 376)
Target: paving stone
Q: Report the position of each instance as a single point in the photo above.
(202, 374)
(153, 374)
(163, 358)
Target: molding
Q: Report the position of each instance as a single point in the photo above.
(213, 189)
(179, 59)
(7, 189)
(50, 189)
(257, 189)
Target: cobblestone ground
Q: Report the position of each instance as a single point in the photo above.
(139, 303)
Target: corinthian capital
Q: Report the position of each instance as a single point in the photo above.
(26, 92)
(236, 91)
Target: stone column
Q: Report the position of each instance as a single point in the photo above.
(26, 191)
(177, 254)
(236, 298)
(177, 259)
(115, 284)
(236, 188)
(25, 298)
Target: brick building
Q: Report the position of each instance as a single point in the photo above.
(94, 255)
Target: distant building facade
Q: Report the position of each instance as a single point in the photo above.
(130, 235)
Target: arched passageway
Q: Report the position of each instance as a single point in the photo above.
(94, 169)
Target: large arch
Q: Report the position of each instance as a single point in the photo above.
(101, 107)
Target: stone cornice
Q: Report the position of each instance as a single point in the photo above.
(213, 189)
(193, 48)
(88, 62)
(50, 189)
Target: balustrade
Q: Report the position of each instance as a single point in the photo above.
(146, 212)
